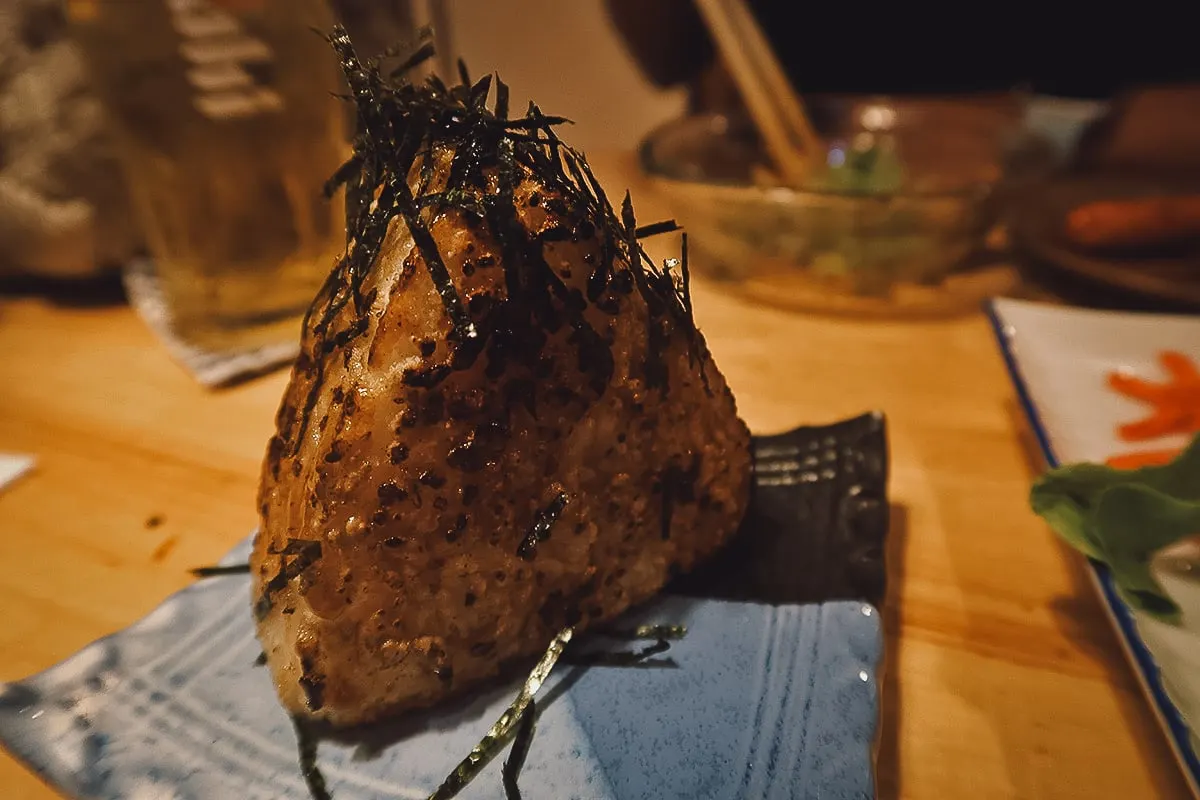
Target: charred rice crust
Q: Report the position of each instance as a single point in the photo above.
(502, 420)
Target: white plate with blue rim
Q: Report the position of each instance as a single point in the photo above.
(773, 692)
(1059, 360)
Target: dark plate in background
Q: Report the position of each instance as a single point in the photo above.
(1036, 222)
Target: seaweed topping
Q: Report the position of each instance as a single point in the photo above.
(306, 743)
(220, 569)
(518, 720)
(519, 717)
(518, 752)
(543, 522)
(662, 635)
(312, 681)
(655, 228)
(624, 658)
(672, 632)
(402, 127)
(499, 734)
(303, 553)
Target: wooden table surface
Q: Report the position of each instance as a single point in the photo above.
(1003, 679)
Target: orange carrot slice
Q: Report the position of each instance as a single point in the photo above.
(1142, 458)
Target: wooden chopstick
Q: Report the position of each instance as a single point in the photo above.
(780, 88)
(768, 95)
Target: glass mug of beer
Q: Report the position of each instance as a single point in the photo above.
(228, 128)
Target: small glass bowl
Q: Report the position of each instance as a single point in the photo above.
(904, 193)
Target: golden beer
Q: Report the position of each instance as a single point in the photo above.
(225, 113)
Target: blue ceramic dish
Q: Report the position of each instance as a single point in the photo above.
(772, 694)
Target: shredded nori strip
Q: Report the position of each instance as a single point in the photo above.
(655, 228)
(304, 553)
(423, 53)
(501, 99)
(494, 740)
(220, 569)
(518, 752)
(402, 125)
(543, 523)
(673, 632)
(686, 292)
(663, 634)
(518, 721)
(306, 744)
(623, 658)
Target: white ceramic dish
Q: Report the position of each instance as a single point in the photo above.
(1059, 359)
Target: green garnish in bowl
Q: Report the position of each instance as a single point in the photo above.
(1124, 517)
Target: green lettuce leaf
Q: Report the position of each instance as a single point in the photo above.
(1124, 517)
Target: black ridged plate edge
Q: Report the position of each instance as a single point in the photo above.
(817, 525)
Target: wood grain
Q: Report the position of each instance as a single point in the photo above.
(1004, 679)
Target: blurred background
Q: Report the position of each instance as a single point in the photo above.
(99, 142)
(878, 167)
